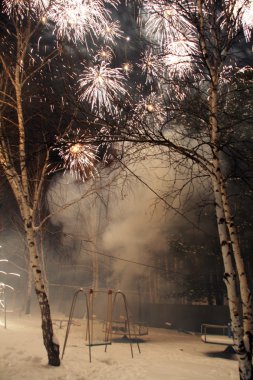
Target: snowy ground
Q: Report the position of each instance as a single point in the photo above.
(165, 355)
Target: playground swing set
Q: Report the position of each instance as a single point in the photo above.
(109, 326)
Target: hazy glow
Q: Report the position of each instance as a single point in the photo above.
(127, 67)
(102, 86)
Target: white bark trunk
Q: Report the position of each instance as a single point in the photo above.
(28, 300)
(245, 362)
(51, 346)
(243, 282)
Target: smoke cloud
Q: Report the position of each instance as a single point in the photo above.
(121, 220)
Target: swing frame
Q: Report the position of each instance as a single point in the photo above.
(112, 297)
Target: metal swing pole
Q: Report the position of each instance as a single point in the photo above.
(108, 328)
(89, 327)
(70, 319)
(127, 320)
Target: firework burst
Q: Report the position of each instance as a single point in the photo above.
(111, 32)
(102, 86)
(163, 22)
(247, 18)
(78, 154)
(74, 19)
(179, 57)
(149, 112)
(127, 67)
(22, 7)
(105, 54)
(151, 66)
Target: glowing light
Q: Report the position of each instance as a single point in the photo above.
(150, 107)
(3, 285)
(127, 67)
(15, 274)
(74, 19)
(102, 86)
(78, 154)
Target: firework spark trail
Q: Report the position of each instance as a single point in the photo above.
(101, 86)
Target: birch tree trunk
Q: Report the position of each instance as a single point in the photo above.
(243, 281)
(26, 188)
(227, 234)
(245, 362)
(28, 299)
(50, 342)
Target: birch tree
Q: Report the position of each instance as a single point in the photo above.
(192, 51)
(18, 69)
(194, 55)
(188, 57)
(33, 76)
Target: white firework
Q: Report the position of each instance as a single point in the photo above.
(247, 18)
(104, 54)
(179, 57)
(111, 31)
(22, 7)
(74, 19)
(127, 67)
(163, 22)
(78, 154)
(151, 66)
(150, 112)
(102, 87)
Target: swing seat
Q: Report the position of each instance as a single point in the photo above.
(98, 343)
